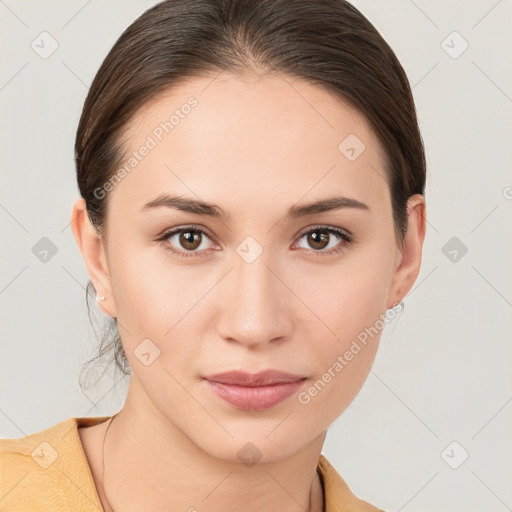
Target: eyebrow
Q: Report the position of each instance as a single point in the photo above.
(212, 210)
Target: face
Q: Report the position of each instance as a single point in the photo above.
(253, 280)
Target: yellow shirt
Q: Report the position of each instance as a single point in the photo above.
(48, 471)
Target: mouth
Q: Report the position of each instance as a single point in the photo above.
(254, 392)
(262, 378)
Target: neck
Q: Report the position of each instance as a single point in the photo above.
(144, 450)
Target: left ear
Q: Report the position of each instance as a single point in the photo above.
(408, 260)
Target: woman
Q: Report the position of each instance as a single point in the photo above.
(252, 212)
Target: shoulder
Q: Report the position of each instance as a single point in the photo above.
(338, 496)
(46, 470)
(29, 478)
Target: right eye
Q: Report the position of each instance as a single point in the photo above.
(190, 238)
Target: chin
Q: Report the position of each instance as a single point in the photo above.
(252, 442)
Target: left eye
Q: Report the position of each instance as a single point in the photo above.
(320, 234)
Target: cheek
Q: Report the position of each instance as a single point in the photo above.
(142, 276)
(142, 288)
(351, 304)
(343, 360)
(350, 299)
(157, 298)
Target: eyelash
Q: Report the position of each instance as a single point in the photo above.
(345, 236)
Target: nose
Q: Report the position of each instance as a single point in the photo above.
(256, 305)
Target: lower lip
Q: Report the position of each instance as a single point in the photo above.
(255, 398)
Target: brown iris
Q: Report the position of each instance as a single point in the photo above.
(318, 241)
(190, 239)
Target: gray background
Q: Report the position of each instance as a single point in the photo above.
(442, 373)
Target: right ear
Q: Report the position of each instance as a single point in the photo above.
(93, 252)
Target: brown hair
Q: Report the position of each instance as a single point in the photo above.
(327, 42)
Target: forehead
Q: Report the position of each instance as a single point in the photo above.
(224, 138)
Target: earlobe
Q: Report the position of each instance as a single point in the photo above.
(93, 252)
(409, 259)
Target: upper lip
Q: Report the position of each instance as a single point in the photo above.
(263, 378)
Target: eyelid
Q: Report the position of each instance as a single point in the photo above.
(192, 227)
(326, 227)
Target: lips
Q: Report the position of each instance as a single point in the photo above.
(254, 391)
(263, 378)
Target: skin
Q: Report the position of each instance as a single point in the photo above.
(255, 147)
